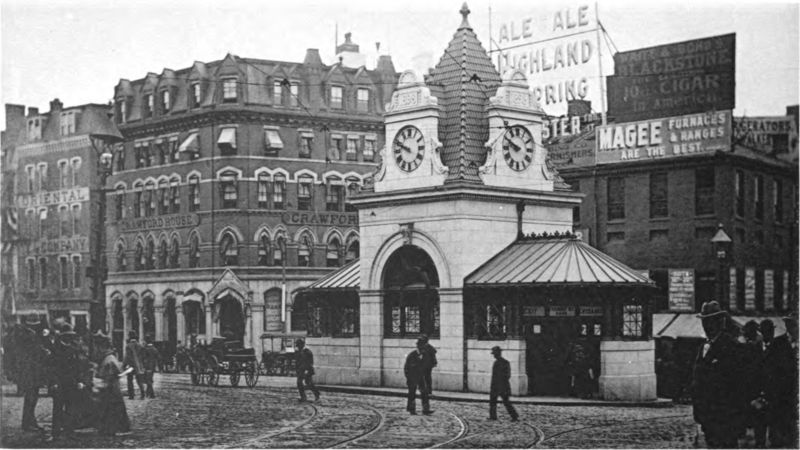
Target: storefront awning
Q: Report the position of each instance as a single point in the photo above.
(227, 137)
(543, 261)
(346, 278)
(684, 325)
(190, 144)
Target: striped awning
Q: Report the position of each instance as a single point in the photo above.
(543, 261)
(346, 278)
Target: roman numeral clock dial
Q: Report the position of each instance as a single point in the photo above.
(409, 148)
(518, 148)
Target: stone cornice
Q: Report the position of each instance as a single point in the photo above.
(462, 192)
(172, 124)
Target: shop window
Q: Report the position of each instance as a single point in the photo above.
(616, 198)
(777, 200)
(759, 197)
(740, 193)
(263, 190)
(229, 250)
(704, 185)
(304, 193)
(362, 103)
(659, 203)
(229, 90)
(632, 321)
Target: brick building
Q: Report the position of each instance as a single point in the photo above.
(232, 181)
(51, 208)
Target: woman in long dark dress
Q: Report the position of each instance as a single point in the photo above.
(112, 415)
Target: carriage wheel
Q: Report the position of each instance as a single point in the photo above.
(234, 370)
(251, 374)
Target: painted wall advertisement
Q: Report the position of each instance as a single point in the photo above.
(674, 79)
(732, 290)
(272, 312)
(556, 47)
(769, 289)
(681, 290)
(749, 289)
(664, 138)
(776, 136)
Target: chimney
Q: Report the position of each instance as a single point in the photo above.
(385, 64)
(15, 123)
(312, 57)
(33, 111)
(56, 105)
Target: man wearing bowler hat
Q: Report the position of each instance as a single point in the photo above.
(304, 361)
(715, 392)
(414, 370)
(69, 377)
(32, 368)
(779, 375)
(501, 386)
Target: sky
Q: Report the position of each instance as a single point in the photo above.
(78, 50)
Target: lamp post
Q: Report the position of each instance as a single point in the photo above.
(721, 244)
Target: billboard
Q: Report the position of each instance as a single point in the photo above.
(669, 137)
(674, 79)
(556, 47)
(775, 135)
(681, 290)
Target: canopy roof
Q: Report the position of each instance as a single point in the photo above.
(543, 260)
(347, 277)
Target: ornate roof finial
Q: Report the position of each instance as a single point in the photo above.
(464, 13)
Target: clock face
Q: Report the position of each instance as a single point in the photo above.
(518, 148)
(409, 148)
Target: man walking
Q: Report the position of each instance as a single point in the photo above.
(429, 356)
(151, 358)
(68, 378)
(501, 386)
(780, 382)
(32, 366)
(133, 359)
(715, 388)
(304, 360)
(415, 379)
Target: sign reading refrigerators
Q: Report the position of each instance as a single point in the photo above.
(556, 47)
(674, 79)
(664, 138)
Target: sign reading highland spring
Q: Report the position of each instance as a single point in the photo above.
(664, 138)
(556, 47)
(674, 79)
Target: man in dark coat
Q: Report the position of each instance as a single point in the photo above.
(501, 386)
(717, 400)
(68, 378)
(151, 358)
(134, 353)
(414, 370)
(779, 375)
(304, 361)
(429, 357)
(32, 368)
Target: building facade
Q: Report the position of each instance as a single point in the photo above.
(230, 192)
(52, 208)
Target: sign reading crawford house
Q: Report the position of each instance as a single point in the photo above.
(674, 79)
(154, 223)
(664, 138)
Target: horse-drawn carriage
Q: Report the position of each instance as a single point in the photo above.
(224, 358)
(277, 360)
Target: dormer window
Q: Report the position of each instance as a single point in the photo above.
(67, 123)
(195, 95)
(229, 90)
(336, 97)
(363, 100)
(165, 101)
(122, 111)
(34, 129)
(148, 105)
(294, 97)
(277, 94)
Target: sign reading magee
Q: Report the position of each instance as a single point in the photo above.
(78, 194)
(674, 79)
(664, 138)
(153, 223)
(554, 47)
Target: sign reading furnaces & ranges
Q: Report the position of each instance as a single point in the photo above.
(664, 138)
(674, 79)
(74, 195)
(154, 223)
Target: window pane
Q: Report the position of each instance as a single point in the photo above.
(616, 198)
(412, 319)
(229, 90)
(658, 195)
(336, 97)
(632, 321)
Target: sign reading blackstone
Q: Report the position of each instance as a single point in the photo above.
(554, 46)
(664, 138)
(673, 79)
(154, 223)
(681, 290)
(79, 194)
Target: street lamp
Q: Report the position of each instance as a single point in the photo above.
(721, 244)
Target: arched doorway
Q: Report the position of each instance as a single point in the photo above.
(230, 315)
(133, 315)
(411, 297)
(118, 325)
(194, 321)
(171, 320)
(148, 319)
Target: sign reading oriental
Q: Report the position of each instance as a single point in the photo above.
(664, 138)
(79, 194)
(674, 79)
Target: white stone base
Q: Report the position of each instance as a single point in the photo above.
(627, 370)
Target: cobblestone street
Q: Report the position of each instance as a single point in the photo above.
(269, 416)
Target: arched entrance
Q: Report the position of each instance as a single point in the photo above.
(118, 325)
(229, 313)
(171, 320)
(410, 283)
(148, 319)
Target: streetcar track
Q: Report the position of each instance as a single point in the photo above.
(256, 440)
(381, 421)
(539, 435)
(464, 430)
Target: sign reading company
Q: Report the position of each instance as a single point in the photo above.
(78, 244)
(555, 50)
(79, 194)
(664, 138)
(674, 79)
(154, 223)
(681, 290)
